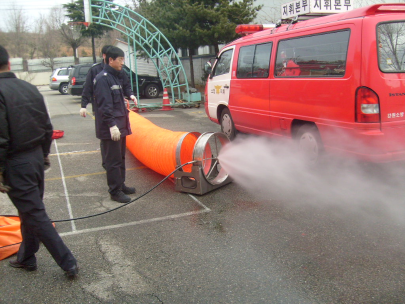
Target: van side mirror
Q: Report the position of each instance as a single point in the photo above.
(208, 67)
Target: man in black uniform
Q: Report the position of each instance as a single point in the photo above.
(88, 89)
(25, 141)
(112, 123)
(88, 92)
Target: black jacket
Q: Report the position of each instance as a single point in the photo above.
(110, 107)
(24, 119)
(88, 88)
(126, 84)
(87, 94)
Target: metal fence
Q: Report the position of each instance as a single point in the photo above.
(37, 65)
(32, 66)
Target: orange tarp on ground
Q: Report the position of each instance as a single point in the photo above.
(10, 236)
(155, 147)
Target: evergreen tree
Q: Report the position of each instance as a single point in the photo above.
(189, 24)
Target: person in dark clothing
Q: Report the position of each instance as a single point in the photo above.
(88, 92)
(88, 88)
(112, 123)
(25, 142)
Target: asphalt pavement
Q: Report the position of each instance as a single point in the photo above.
(329, 237)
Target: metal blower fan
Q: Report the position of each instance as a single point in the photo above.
(206, 172)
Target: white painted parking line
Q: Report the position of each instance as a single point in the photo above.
(74, 231)
(77, 152)
(156, 219)
(198, 202)
(69, 207)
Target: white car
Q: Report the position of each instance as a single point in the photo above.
(60, 80)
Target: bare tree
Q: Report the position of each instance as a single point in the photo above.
(3, 39)
(49, 33)
(72, 36)
(18, 25)
(34, 39)
(270, 12)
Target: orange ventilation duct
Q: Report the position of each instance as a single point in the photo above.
(159, 149)
(10, 236)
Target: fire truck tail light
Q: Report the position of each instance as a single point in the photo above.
(370, 109)
(367, 105)
(73, 80)
(252, 28)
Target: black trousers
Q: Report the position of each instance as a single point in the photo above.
(102, 154)
(24, 173)
(114, 160)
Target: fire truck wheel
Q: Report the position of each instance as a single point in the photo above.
(310, 143)
(227, 126)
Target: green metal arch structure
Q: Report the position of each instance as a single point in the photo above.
(141, 32)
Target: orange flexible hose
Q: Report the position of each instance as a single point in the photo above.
(156, 147)
(10, 236)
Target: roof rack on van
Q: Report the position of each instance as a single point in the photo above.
(293, 21)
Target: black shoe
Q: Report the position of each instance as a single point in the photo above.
(72, 272)
(128, 190)
(120, 197)
(17, 264)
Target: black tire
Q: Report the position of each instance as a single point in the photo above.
(63, 88)
(310, 144)
(152, 91)
(227, 125)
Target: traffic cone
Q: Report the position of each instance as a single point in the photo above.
(166, 101)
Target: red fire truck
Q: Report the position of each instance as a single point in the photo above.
(333, 83)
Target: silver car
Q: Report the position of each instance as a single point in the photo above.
(60, 80)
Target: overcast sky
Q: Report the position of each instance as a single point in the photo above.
(32, 9)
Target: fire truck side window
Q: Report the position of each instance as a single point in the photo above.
(254, 61)
(223, 64)
(321, 55)
(391, 46)
(245, 61)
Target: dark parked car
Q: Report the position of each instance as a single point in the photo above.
(77, 77)
(149, 86)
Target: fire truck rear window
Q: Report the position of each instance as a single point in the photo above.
(321, 55)
(254, 61)
(391, 46)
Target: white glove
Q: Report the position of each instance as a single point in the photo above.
(115, 133)
(133, 98)
(83, 112)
